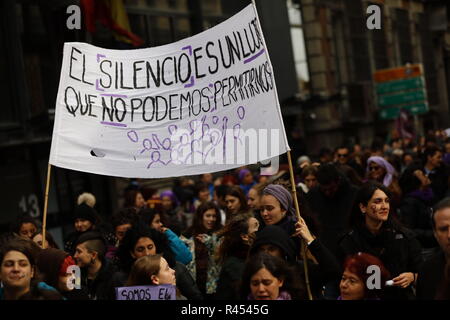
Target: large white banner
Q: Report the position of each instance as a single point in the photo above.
(203, 104)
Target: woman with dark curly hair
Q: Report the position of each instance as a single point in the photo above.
(237, 238)
(141, 241)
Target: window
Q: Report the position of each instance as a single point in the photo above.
(428, 62)
(404, 36)
(358, 39)
(379, 44)
(298, 45)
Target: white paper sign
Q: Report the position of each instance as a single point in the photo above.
(203, 104)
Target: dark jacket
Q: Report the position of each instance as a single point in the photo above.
(327, 269)
(186, 284)
(99, 288)
(439, 182)
(332, 214)
(230, 276)
(415, 214)
(431, 275)
(398, 251)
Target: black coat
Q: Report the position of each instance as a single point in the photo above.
(415, 214)
(439, 182)
(229, 279)
(100, 288)
(326, 270)
(431, 275)
(398, 251)
(332, 214)
(186, 284)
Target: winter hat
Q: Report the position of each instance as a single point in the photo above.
(85, 212)
(303, 159)
(243, 173)
(172, 197)
(87, 198)
(278, 237)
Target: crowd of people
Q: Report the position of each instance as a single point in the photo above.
(374, 225)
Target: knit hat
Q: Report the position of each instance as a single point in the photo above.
(87, 198)
(303, 159)
(172, 197)
(282, 195)
(276, 236)
(243, 173)
(85, 212)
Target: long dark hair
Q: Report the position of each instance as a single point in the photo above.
(408, 181)
(278, 268)
(130, 198)
(232, 242)
(146, 216)
(197, 224)
(237, 192)
(364, 194)
(133, 235)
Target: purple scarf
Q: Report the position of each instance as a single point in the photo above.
(283, 296)
(243, 173)
(390, 171)
(282, 195)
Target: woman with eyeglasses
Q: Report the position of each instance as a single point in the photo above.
(381, 171)
(375, 231)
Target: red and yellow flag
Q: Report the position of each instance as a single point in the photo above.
(112, 14)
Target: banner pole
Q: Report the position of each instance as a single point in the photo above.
(44, 217)
(297, 211)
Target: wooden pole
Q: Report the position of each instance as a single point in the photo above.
(44, 217)
(297, 211)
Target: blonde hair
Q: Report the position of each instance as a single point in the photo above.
(87, 198)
